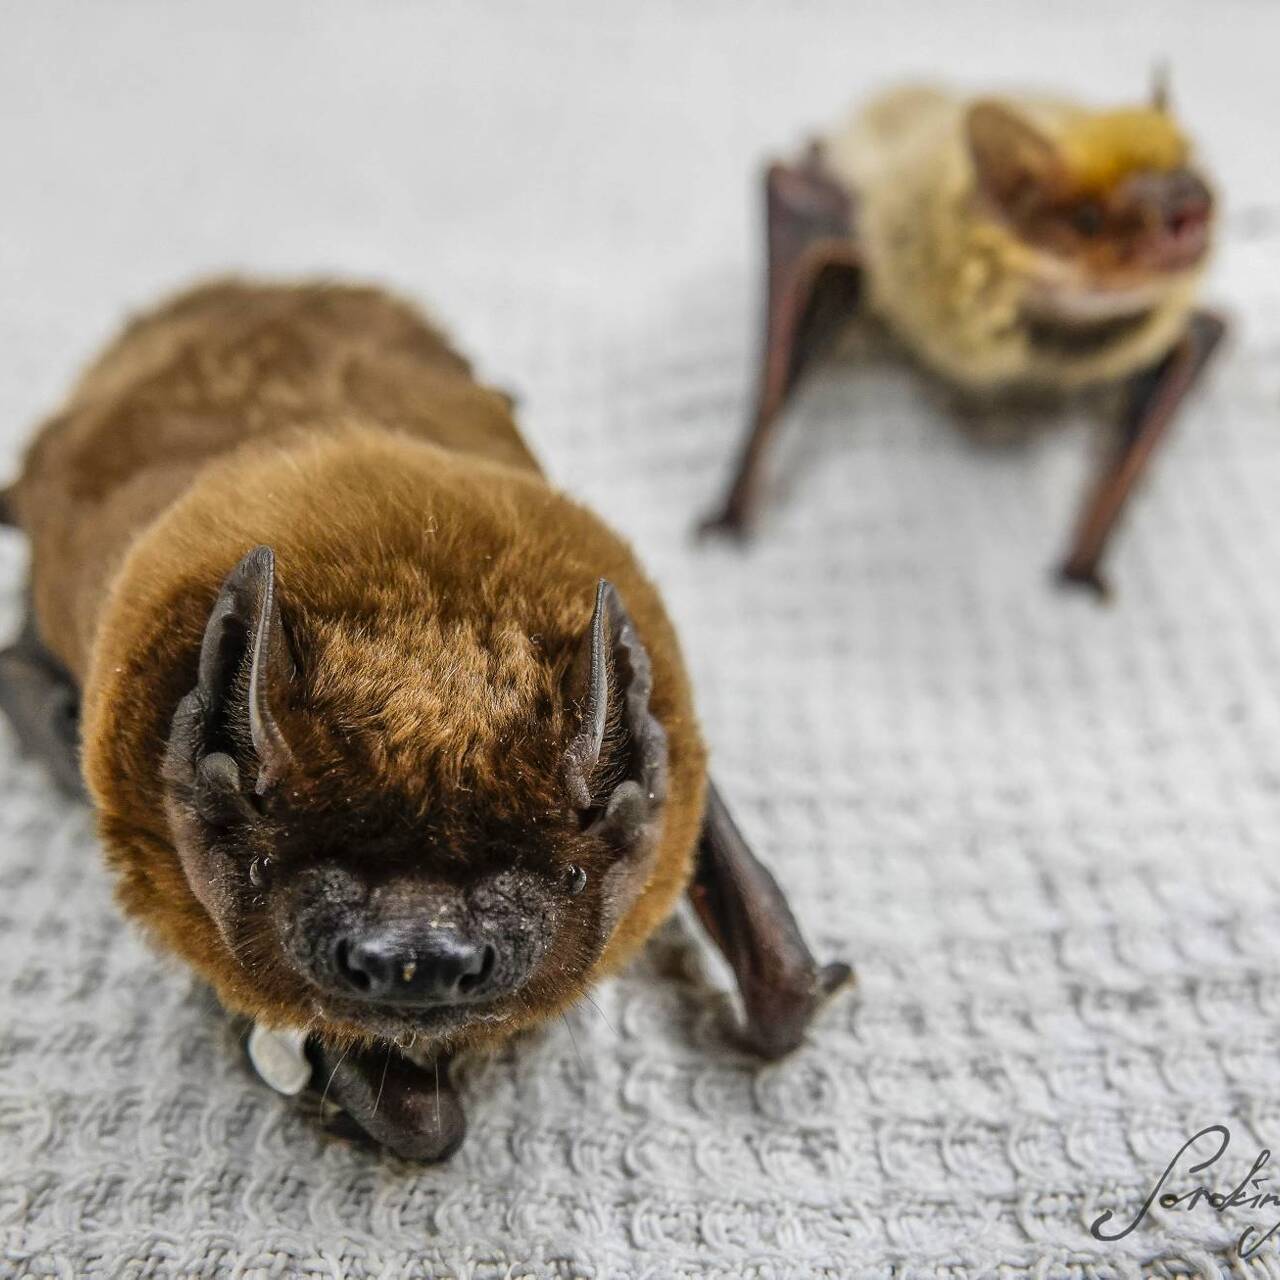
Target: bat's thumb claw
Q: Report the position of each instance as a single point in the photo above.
(831, 977)
(777, 1026)
(1072, 575)
(727, 523)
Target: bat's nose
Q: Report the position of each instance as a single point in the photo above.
(433, 968)
(1176, 209)
(1184, 199)
(1171, 197)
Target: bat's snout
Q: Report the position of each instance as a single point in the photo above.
(1176, 210)
(435, 967)
(409, 953)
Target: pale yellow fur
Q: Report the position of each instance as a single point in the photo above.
(950, 281)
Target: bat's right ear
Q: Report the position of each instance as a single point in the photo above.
(615, 767)
(244, 667)
(1161, 98)
(1011, 158)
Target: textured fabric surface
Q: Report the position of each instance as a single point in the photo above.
(1045, 832)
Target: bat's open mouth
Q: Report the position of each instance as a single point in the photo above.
(1069, 317)
(1081, 336)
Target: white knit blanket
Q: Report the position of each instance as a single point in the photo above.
(1045, 832)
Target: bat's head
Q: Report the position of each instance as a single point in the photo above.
(411, 825)
(1109, 203)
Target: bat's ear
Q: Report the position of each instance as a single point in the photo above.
(615, 766)
(1161, 99)
(244, 668)
(1011, 157)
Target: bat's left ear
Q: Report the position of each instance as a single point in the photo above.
(244, 667)
(1012, 159)
(615, 767)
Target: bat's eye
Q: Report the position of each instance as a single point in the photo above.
(1086, 217)
(577, 880)
(260, 872)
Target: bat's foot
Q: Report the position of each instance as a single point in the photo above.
(783, 1030)
(1086, 577)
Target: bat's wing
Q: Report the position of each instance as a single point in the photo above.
(41, 703)
(814, 282)
(743, 909)
(1152, 400)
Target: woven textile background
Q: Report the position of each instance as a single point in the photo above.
(1045, 832)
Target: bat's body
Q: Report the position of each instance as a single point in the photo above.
(969, 298)
(1012, 245)
(407, 770)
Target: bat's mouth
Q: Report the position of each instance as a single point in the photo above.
(1180, 245)
(1062, 294)
(404, 1023)
(1080, 335)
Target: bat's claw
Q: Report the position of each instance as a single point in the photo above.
(831, 977)
(728, 523)
(1072, 575)
(782, 1028)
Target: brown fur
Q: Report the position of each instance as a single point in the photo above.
(436, 587)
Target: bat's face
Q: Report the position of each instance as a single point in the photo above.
(1111, 210)
(398, 865)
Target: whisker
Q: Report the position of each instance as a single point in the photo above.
(600, 1011)
(382, 1083)
(324, 1096)
(564, 1017)
(436, 1064)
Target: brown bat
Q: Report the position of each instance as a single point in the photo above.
(1009, 244)
(387, 739)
